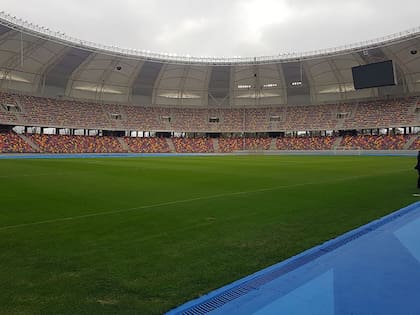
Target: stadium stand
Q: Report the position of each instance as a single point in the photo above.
(315, 117)
(415, 145)
(380, 114)
(76, 144)
(257, 143)
(12, 143)
(31, 111)
(144, 118)
(382, 142)
(45, 112)
(147, 145)
(48, 112)
(305, 143)
(227, 145)
(196, 145)
(232, 120)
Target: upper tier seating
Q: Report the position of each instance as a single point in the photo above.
(45, 112)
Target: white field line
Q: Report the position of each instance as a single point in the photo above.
(31, 175)
(175, 202)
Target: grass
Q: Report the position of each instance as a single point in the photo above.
(143, 235)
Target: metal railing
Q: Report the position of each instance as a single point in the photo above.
(21, 25)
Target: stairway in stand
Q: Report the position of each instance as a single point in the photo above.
(32, 144)
(171, 145)
(124, 144)
(215, 144)
(337, 142)
(410, 142)
(273, 144)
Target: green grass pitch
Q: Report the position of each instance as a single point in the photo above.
(143, 235)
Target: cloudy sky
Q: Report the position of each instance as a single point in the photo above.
(221, 28)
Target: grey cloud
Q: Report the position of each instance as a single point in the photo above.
(218, 27)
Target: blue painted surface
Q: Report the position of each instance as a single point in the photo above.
(374, 269)
(127, 155)
(316, 297)
(408, 236)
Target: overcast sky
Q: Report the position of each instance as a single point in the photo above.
(221, 28)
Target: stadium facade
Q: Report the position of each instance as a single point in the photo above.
(128, 90)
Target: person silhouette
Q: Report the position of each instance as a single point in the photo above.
(417, 167)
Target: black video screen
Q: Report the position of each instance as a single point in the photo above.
(373, 75)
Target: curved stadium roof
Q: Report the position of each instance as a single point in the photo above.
(39, 61)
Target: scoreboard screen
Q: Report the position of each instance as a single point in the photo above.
(373, 75)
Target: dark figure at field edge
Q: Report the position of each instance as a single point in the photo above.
(417, 167)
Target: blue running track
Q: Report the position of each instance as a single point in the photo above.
(374, 269)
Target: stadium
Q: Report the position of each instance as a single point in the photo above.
(143, 183)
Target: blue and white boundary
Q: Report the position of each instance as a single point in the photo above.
(228, 293)
(240, 153)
